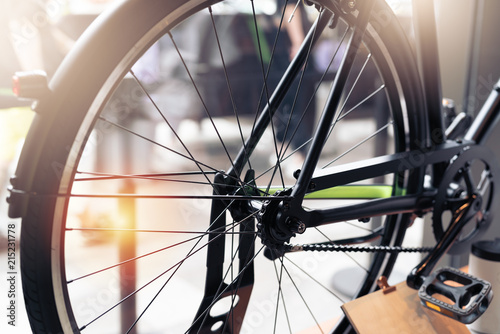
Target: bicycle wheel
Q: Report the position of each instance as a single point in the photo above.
(132, 221)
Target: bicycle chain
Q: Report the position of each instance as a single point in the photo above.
(329, 247)
(348, 248)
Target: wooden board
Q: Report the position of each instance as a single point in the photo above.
(323, 328)
(398, 312)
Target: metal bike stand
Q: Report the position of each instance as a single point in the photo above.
(127, 243)
(127, 250)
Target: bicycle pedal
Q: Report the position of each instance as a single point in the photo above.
(456, 294)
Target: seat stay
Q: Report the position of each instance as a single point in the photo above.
(272, 104)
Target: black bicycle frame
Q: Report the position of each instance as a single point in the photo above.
(435, 151)
(428, 59)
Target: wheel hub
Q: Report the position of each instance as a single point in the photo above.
(275, 227)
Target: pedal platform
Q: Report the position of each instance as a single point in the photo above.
(456, 294)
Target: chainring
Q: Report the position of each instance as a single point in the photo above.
(474, 171)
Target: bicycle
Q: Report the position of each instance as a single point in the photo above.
(234, 210)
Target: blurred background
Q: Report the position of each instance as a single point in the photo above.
(34, 35)
(37, 34)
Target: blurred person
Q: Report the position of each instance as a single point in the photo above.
(297, 118)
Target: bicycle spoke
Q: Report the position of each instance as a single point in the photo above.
(358, 144)
(191, 253)
(283, 156)
(306, 304)
(203, 234)
(148, 231)
(228, 84)
(368, 57)
(315, 280)
(177, 265)
(343, 115)
(271, 58)
(205, 107)
(143, 196)
(149, 179)
(189, 158)
(152, 176)
(266, 95)
(321, 80)
(198, 163)
(144, 90)
(279, 296)
(296, 96)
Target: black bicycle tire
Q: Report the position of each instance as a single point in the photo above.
(42, 139)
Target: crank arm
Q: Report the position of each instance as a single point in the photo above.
(460, 218)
